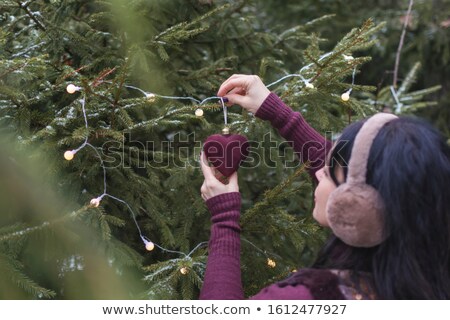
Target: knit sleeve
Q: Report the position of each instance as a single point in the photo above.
(223, 272)
(308, 144)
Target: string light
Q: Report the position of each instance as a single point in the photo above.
(150, 95)
(307, 83)
(95, 202)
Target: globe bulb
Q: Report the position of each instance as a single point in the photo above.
(68, 155)
(345, 96)
(72, 88)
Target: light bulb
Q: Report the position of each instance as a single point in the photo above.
(199, 112)
(309, 85)
(149, 246)
(271, 263)
(95, 202)
(348, 58)
(69, 154)
(150, 97)
(184, 270)
(345, 96)
(72, 88)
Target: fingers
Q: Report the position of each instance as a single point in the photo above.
(203, 191)
(206, 169)
(232, 83)
(215, 183)
(233, 185)
(238, 99)
(248, 91)
(241, 81)
(236, 90)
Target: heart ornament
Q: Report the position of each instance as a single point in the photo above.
(226, 152)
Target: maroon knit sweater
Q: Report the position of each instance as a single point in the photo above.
(223, 272)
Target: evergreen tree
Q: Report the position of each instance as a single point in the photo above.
(141, 69)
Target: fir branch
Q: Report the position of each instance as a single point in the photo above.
(419, 105)
(160, 270)
(409, 80)
(156, 121)
(271, 196)
(26, 8)
(12, 236)
(420, 93)
(185, 30)
(123, 254)
(12, 270)
(358, 37)
(15, 68)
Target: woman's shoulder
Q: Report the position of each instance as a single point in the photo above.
(322, 284)
(275, 292)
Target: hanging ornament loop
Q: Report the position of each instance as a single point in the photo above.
(225, 111)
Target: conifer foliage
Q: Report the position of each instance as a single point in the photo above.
(130, 59)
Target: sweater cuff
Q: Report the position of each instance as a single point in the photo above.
(274, 109)
(224, 202)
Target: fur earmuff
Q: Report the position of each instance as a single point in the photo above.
(355, 214)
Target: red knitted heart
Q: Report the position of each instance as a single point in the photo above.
(226, 152)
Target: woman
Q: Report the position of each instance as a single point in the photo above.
(383, 191)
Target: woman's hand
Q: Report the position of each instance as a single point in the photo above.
(248, 91)
(212, 186)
